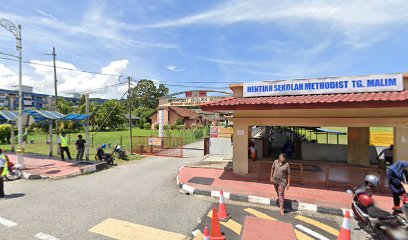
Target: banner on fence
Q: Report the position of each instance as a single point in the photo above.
(154, 141)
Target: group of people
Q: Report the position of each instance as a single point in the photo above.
(64, 147)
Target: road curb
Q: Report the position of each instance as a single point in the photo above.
(83, 170)
(292, 205)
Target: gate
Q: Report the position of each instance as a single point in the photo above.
(158, 146)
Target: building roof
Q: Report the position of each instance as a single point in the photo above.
(184, 112)
(351, 100)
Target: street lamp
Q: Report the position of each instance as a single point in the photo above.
(16, 31)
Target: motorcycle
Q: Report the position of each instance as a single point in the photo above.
(384, 224)
(14, 173)
(102, 156)
(119, 152)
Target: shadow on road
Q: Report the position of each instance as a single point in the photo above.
(14, 195)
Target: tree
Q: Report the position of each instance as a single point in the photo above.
(110, 115)
(145, 98)
(65, 107)
(146, 94)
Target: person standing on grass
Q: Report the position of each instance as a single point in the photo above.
(80, 144)
(280, 177)
(3, 171)
(63, 145)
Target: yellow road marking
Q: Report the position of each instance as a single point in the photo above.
(259, 214)
(231, 224)
(302, 236)
(299, 235)
(198, 236)
(320, 225)
(123, 230)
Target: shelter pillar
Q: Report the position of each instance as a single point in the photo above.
(240, 147)
(358, 145)
(400, 143)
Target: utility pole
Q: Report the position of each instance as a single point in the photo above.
(13, 137)
(54, 55)
(130, 116)
(50, 140)
(87, 127)
(16, 31)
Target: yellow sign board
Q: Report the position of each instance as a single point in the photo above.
(381, 138)
(224, 132)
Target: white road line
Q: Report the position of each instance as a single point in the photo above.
(7, 223)
(44, 236)
(311, 232)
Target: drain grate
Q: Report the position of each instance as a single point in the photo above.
(202, 180)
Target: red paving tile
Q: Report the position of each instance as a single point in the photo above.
(312, 194)
(47, 167)
(262, 229)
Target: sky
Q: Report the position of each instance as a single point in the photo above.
(189, 44)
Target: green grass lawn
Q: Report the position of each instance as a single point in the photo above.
(120, 136)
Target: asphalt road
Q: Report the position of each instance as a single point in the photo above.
(143, 192)
(138, 199)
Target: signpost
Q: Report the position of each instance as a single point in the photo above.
(359, 84)
(214, 132)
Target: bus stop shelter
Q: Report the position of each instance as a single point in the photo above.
(31, 116)
(358, 103)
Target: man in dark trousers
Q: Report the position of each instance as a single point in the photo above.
(80, 144)
(3, 171)
(63, 144)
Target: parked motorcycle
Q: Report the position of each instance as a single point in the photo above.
(102, 156)
(14, 173)
(384, 224)
(119, 152)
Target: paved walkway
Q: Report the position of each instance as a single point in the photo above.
(44, 166)
(227, 181)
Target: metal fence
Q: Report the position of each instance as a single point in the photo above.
(165, 146)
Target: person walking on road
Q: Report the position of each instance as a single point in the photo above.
(3, 171)
(63, 144)
(80, 144)
(280, 177)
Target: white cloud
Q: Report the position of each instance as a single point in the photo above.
(47, 15)
(174, 68)
(68, 81)
(357, 19)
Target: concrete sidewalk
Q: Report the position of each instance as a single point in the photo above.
(38, 167)
(333, 200)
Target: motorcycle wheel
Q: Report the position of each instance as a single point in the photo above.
(116, 154)
(14, 175)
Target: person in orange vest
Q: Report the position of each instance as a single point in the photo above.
(63, 144)
(3, 171)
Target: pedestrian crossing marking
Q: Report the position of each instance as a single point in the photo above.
(320, 225)
(259, 214)
(311, 232)
(231, 224)
(122, 230)
(302, 236)
(299, 234)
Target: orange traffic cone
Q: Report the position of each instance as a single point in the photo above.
(345, 233)
(215, 227)
(223, 215)
(206, 233)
